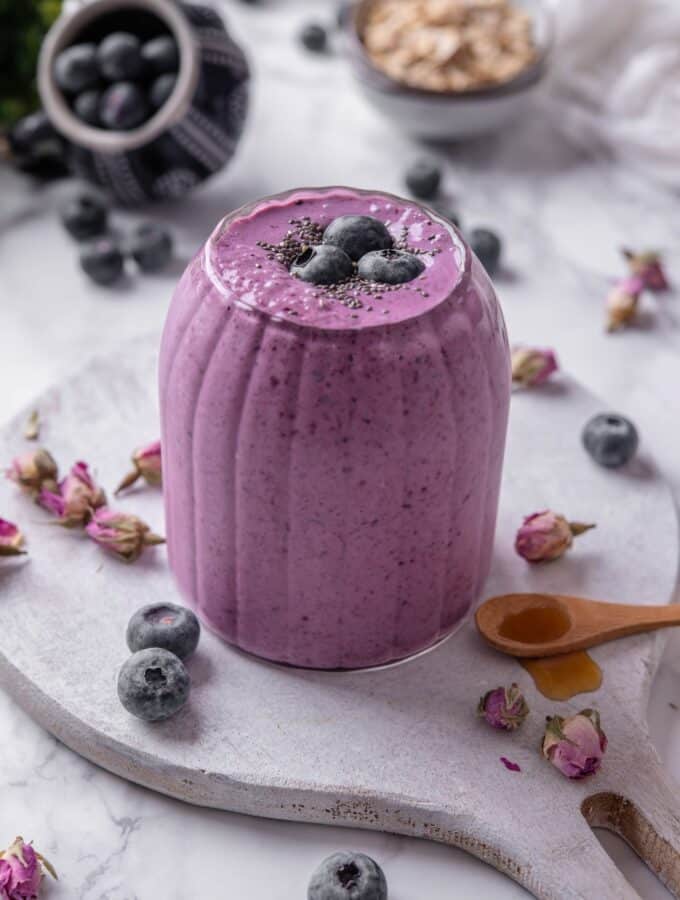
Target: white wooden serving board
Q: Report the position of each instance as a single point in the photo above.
(398, 749)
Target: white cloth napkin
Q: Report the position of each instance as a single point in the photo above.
(615, 80)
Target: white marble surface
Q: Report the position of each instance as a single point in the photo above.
(563, 216)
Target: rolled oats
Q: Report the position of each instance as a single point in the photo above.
(449, 45)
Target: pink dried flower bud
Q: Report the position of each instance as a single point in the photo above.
(21, 871)
(546, 536)
(649, 266)
(504, 708)
(531, 366)
(11, 539)
(575, 745)
(77, 496)
(120, 533)
(34, 471)
(147, 465)
(622, 302)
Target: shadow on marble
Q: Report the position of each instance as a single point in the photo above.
(507, 275)
(552, 389)
(201, 668)
(532, 147)
(186, 727)
(642, 468)
(10, 568)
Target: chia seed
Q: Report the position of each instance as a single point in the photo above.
(305, 234)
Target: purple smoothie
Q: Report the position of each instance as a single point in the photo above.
(332, 459)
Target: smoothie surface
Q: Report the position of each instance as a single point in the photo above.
(250, 274)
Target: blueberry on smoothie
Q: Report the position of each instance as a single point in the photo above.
(324, 264)
(84, 216)
(120, 57)
(123, 106)
(423, 178)
(102, 261)
(348, 876)
(165, 625)
(150, 246)
(75, 69)
(160, 55)
(314, 37)
(153, 684)
(358, 235)
(161, 89)
(611, 440)
(390, 266)
(86, 107)
(487, 247)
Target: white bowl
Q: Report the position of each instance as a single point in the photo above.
(451, 115)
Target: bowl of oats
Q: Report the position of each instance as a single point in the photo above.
(449, 69)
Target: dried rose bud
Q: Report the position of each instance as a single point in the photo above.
(34, 471)
(575, 745)
(504, 708)
(531, 366)
(121, 533)
(11, 539)
(77, 496)
(147, 465)
(32, 426)
(546, 536)
(622, 302)
(649, 266)
(21, 871)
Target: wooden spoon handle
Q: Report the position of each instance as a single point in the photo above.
(609, 621)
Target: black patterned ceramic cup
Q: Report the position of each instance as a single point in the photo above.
(193, 134)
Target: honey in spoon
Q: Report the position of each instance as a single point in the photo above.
(556, 677)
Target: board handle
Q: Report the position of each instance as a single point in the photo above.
(645, 812)
(577, 869)
(570, 864)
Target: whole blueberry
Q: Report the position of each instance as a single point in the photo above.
(160, 55)
(314, 37)
(390, 266)
(75, 69)
(123, 106)
(37, 148)
(324, 264)
(31, 133)
(165, 625)
(160, 89)
(102, 261)
(423, 178)
(86, 107)
(487, 247)
(84, 216)
(153, 684)
(611, 440)
(357, 235)
(120, 57)
(150, 246)
(348, 876)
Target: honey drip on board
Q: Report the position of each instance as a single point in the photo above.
(556, 677)
(562, 677)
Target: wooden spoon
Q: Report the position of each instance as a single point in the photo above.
(533, 625)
